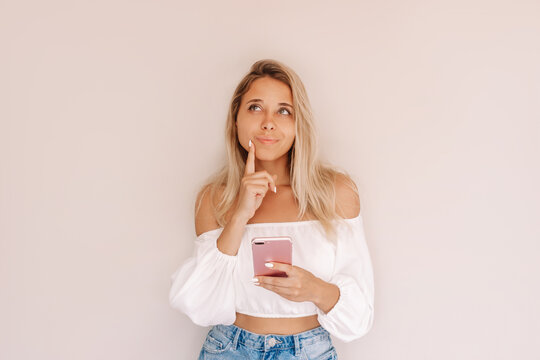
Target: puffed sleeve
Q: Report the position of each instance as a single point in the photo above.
(202, 287)
(352, 316)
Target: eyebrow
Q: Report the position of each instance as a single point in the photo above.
(254, 100)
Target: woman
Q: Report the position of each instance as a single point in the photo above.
(273, 185)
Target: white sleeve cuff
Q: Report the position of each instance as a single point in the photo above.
(352, 315)
(203, 288)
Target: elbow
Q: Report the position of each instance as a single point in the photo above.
(175, 301)
(179, 300)
(202, 319)
(202, 313)
(358, 328)
(182, 304)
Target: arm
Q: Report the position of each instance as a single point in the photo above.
(351, 315)
(231, 237)
(327, 296)
(202, 287)
(347, 206)
(345, 302)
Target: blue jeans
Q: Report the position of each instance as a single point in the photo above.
(233, 342)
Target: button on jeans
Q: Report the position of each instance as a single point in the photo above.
(232, 342)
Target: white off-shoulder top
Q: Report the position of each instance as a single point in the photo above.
(210, 286)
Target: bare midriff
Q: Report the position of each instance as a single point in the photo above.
(278, 326)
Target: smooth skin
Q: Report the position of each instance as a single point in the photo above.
(265, 170)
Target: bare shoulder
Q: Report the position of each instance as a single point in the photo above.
(204, 213)
(347, 198)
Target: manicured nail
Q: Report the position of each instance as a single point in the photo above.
(249, 142)
(270, 265)
(275, 189)
(255, 280)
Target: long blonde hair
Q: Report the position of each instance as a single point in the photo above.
(312, 181)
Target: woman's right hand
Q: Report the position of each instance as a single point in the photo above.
(253, 187)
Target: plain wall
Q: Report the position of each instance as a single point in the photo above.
(112, 115)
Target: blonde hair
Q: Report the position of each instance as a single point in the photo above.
(312, 182)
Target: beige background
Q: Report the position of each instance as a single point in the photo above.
(112, 114)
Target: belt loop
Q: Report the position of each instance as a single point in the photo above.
(236, 336)
(296, 346)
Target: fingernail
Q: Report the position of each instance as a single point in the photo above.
(255, 280)
(275, 189)
(270, 265)
(249, 142)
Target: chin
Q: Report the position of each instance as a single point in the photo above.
(267, 157)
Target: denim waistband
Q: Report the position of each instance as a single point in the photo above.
(273, 341)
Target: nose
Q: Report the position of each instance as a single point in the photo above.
(268, 123)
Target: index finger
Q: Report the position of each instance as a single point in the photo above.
(250, 161)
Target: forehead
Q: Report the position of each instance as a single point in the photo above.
(269, 90)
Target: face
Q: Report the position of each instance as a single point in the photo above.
(266, 112)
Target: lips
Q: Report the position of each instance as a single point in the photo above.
(266, 140)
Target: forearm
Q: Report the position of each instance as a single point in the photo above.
(231, 236)
(326, 296)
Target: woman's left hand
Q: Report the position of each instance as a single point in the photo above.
(299, 285)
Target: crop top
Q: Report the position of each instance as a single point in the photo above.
(211, 286)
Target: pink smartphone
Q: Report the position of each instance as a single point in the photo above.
(275, 248)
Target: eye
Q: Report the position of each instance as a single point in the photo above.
(251, 106)
(287, 110)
